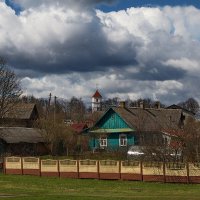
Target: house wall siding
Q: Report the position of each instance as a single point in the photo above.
(112, 141)
(112, 121)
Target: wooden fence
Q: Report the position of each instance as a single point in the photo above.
(105, 169)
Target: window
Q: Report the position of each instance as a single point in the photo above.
(103, 141)
(122, 140)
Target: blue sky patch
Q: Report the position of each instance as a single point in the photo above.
(124, 4)
(16, 7)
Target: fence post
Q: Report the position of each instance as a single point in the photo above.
(188, 172)
(58, 163)
(78, 167)
(120, 162)
(22, 168)
(98, 170)
(40, 170)
(141, 170)
(164, 172)
(4, 165)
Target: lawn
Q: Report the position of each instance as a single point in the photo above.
(30, 187)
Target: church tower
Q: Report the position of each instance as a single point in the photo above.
(96, 101)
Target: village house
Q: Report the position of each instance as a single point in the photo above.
(121, 127)
(17, 133)
(20, 115)
(82, 142)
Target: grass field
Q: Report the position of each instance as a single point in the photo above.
(30, 187)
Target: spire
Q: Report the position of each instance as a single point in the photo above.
(97, 94)
(96, 101)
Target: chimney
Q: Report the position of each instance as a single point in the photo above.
(157, 104)
(122, 104)
(142, 104)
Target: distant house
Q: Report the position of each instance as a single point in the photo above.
(186, 113)
(121, 127)
(79, 127)
(17, 133)
(21, 115)
(22, 141)
(82, 142)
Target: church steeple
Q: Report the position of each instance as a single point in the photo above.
(96, 101)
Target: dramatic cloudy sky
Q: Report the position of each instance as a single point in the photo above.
(129, 48)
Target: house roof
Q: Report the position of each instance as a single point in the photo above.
(149, 119)
(167, 118)
(21, 111)
(21, 134)
(79, 127)
(97, 94)
(174, 106)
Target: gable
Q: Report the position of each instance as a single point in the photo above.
(34, 114)
(23, 111)
(79, 127)
(112, 122)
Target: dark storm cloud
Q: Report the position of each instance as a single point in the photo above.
(85, 51)
(77, 56)
(160, 73)
(64, 40)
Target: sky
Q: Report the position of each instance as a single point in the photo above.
(128, 49)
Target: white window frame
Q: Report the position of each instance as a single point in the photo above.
(103, 141)
(123, 140)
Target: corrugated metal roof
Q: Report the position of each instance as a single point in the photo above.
(21, 134)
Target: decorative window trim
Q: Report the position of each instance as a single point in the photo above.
(123, 143)
(103, 141)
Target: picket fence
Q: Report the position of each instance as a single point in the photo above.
(105, 169)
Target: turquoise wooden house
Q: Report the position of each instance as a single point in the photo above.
(121, 127)
(112, 131)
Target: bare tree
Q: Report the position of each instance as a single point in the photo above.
(147, 102)
(74, 109)
(110, 102)
(187, 140)
(190, 104)
(60, 139)
(191, 139)
(10, 89)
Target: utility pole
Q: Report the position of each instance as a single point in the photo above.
(54, 110)
(49, 103)
(48, 106)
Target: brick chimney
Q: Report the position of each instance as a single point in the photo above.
(122, 104)
(157, 104)
(142, 104)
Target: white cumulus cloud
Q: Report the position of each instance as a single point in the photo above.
(138, 52)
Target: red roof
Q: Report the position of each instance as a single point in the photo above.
(97, 94)
(79, 127)
(174, 133)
